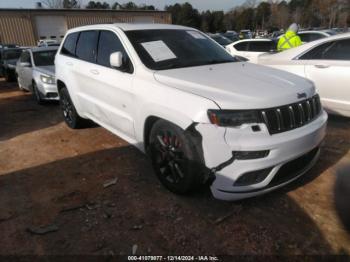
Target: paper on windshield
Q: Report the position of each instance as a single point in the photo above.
(196, 34)
(158, 50)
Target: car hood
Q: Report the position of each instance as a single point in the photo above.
(49, 70)
(238, 85)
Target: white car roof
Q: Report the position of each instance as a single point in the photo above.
(314, 32)
(44, 48)
(254, 40)
(130, 27)
(294, 52)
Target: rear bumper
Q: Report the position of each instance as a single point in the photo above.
(219, 143)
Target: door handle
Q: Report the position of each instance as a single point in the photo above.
(322, 66)
(69, 63)
(94, 71)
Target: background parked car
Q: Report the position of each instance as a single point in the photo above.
(48, 42)
(309, 36)
(8, 59)
(232, 35)
(245, 34)
(221, 40)
(326, 62)
(251, 48)
(36, 73)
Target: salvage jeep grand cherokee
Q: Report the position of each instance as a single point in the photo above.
(202, 116)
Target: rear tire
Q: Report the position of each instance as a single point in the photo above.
(175, 159)
(70, 115)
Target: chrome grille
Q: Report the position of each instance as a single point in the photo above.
(285, 118)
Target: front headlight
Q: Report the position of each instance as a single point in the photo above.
(232, 118)
(47, 79)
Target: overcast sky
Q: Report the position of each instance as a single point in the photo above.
(199, 4)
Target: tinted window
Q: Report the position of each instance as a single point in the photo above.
(44, 58)
(12, 54)
(339, 50)
(305, 38)
(69, 45)
(25, 57)
(336, 50)
(167, 49)
(87, 45)
(261, 46)
(108, 44)
(241, 46)
(314, 37)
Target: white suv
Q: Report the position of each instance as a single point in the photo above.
(203, 117)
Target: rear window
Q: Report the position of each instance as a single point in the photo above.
(87, 46)
(69, 44)
(241, 46)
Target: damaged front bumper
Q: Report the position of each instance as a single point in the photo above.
(268, 162)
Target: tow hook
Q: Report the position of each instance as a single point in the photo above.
(211, 175)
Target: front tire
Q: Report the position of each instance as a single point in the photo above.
(70, 115)
(37, 95)
(175, 159)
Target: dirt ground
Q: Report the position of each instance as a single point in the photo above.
(51, 177)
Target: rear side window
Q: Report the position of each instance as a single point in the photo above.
(336, 50)
(87, 46)
(69, 45)
(339, 50)
(261, 46)
(241, 46)
(108, 44)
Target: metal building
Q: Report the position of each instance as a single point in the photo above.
(26, 26)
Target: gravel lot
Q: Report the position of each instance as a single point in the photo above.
(52, 177)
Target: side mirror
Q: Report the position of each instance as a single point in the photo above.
(25, 64)
(116, 59)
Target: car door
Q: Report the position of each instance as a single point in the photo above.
(26, 71)
(115, 98)
(85, 82)
(328, 66)
(104, 92)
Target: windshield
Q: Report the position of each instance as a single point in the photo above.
(167, 49)
(12, 54)
(44, 58)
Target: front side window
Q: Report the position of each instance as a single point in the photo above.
(109, 43)
(25, 57)
(69, 45)
(87, 46)
(168, 48)
(44, 58)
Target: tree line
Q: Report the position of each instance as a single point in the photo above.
(254, 15)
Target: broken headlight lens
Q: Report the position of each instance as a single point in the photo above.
(232, 118)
